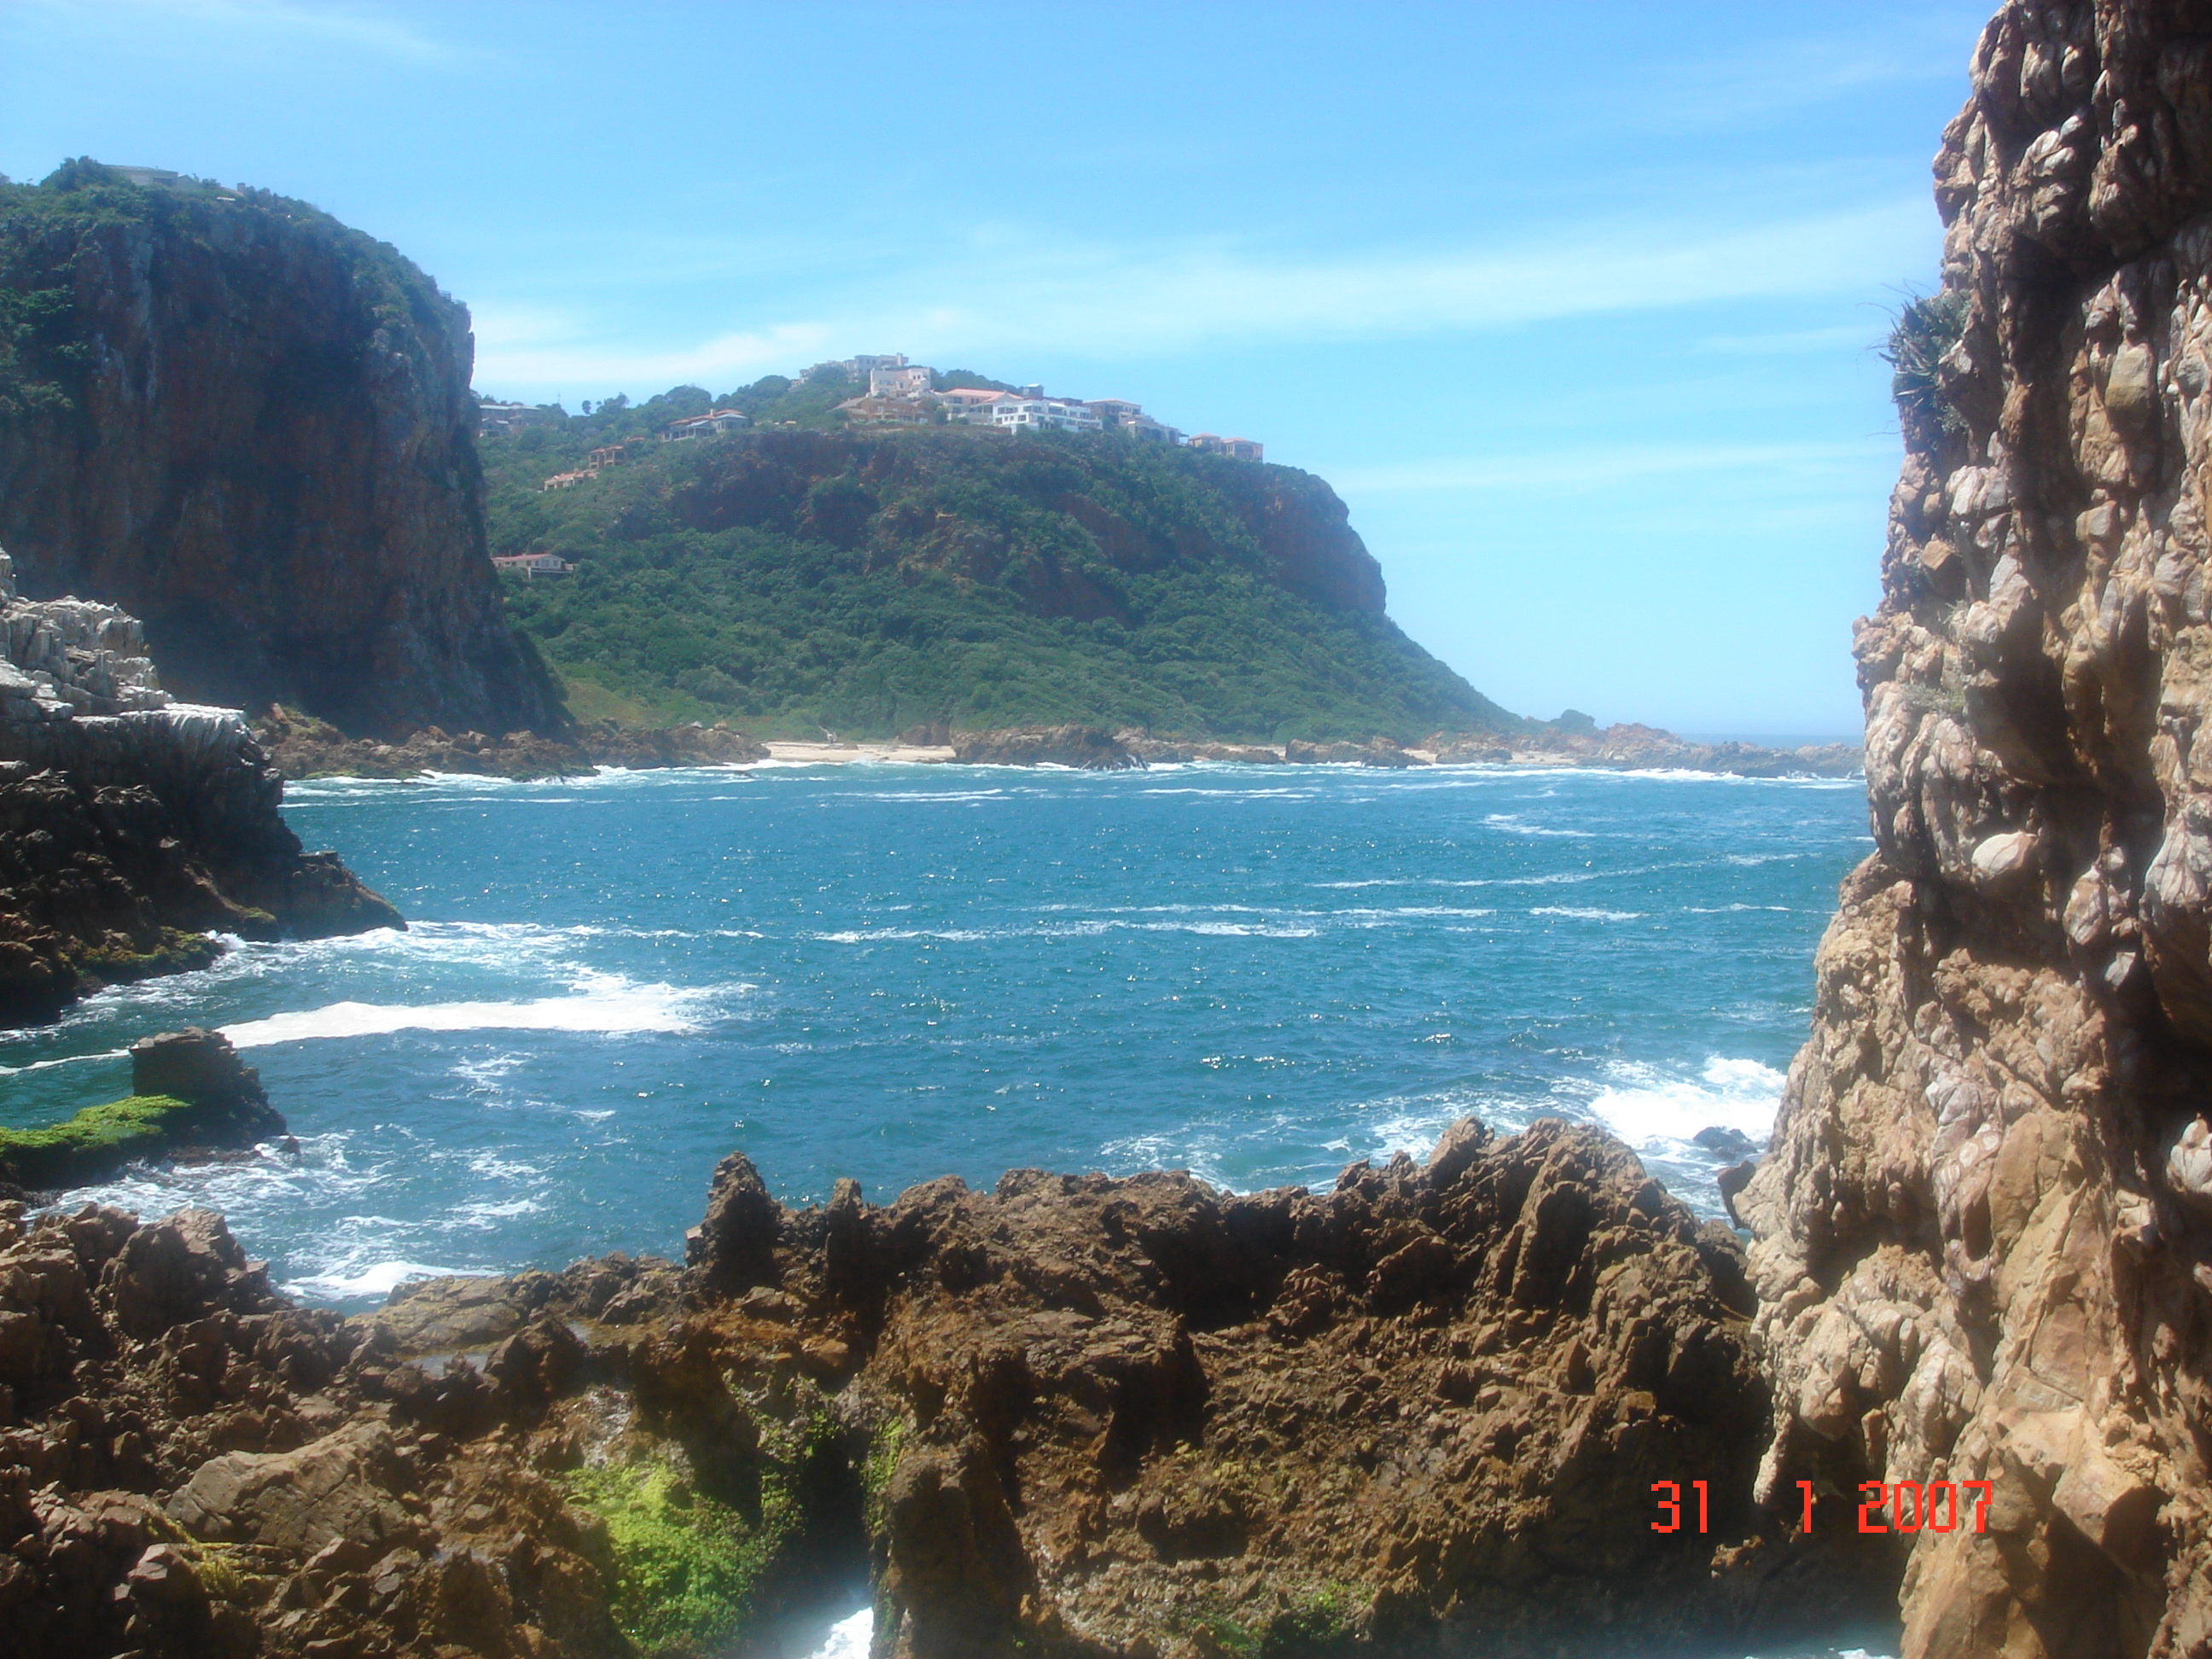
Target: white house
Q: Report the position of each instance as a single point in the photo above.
(705, 426)
(903, 379)
(1043, 414)
(533, 565)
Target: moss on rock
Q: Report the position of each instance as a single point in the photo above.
(686, 1566)
(97, 1139)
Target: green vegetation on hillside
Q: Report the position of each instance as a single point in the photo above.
(789, 581)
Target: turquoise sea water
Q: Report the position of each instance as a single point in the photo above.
(892, 972)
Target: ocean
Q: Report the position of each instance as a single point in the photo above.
(895, 972)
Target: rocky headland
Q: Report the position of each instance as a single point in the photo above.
(252, 427)
(1420, 1413)
(1984, 1239)
(132, 827)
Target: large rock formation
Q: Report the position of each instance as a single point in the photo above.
(131, 827)
(1075, 1417)
(300, 746)
(252, 427)
(1986, 1235)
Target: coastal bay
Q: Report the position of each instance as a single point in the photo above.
(897, 972)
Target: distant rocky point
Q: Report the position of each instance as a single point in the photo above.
(300, 746)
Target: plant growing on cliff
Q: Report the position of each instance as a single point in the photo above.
(1922, 333)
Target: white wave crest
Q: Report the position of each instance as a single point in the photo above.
(377, 1279)
(615, 1009)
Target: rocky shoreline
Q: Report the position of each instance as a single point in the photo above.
(1073, 1416)
(132, 828)
(303, 748)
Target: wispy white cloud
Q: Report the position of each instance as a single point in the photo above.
(1004, 293)
(527, 351)
(1591, 467)
(269, 21)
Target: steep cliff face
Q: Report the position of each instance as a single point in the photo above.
(1985, 1236)
(250, 426)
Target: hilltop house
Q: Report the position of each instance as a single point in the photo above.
(969, 404)
(533, 565)
(902, 379)
(1241, 449)
(566, 480)
(705, 426)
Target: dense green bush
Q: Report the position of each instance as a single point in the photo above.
(1923, 331)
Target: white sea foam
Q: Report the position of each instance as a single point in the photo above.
(1583, 913)
(62, 1059)
(614, 1008)
(1655, 1112)
(848, 1638)
(376, 1278)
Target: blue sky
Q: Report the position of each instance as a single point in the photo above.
(1575, 306)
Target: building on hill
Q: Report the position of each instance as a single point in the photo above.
(705, 426)
(567, 480)
(971, 405)
(533, 565)
(1120, 415)
(903, 379)
(494, 419)
(612, 455)
(865, 367)
(1044, 414)
(888, 411)
(1241, 449)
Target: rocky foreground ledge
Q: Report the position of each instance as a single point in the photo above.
(1421, 1413)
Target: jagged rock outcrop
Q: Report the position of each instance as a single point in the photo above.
(1085, 748)
(1073, 1416)
(256, 433)
(300, 746)
(1984, 1250)
(131, 827)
